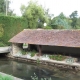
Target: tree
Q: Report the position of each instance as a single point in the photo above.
(73, 17)
(60, 22)
(3, 8)
(50, 17)
(78, 23)
(35, 14)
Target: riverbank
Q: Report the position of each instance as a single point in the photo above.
(13, 78)
(73, 65)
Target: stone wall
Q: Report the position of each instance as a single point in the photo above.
(57, 64)
(16, 48)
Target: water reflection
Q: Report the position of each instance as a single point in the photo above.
(26, 70)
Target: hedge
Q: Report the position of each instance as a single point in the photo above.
(11, 26)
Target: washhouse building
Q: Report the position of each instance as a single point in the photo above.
(48, 41)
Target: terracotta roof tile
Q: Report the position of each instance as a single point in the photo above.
(70, 38)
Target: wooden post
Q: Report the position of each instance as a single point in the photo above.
(28, 47)
(39, 49)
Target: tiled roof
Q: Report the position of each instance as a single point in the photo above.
(69, 38)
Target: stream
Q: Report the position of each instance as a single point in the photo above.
(25, 70)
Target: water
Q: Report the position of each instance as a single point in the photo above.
(25, 70)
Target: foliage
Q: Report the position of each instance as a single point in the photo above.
(57, 57)
(3, 8)
(47, 27)
(73, 17)
(33, 53)
(6, 77)
(1, 30)
(2, 44)
(35, 14)
(23, 52)
(60, 22)
(49, 16)
(28, 52)
(36, 78)
(78, 23)
(11, 26)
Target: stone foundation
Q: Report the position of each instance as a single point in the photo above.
(15, 48)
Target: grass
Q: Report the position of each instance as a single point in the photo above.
(6, 77)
